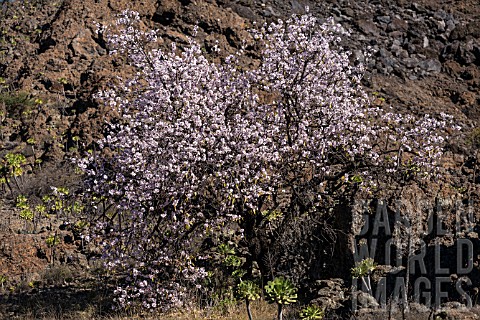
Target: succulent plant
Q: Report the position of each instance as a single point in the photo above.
(312, 312)
(363, 269)
(282, 292)
(249, 291)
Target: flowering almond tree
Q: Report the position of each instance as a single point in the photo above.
(213, 151)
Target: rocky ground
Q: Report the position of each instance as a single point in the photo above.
(424, 58)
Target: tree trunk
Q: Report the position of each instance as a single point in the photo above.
(280, 311)
(247, 302)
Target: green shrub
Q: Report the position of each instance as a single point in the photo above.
(312, 312)
(17, 103)
(57, 275)
(248, 291)
(282, 292)
(474, 138)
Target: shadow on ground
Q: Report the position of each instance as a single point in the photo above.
(59, 302)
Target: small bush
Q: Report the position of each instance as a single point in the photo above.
(57, 275)
(312, 312)
(16, 103)
(474, 138)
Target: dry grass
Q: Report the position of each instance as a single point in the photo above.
(260, 310)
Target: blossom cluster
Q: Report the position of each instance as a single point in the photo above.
(201, 147)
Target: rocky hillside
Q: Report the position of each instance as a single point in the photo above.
(422, 57)
(425, 55)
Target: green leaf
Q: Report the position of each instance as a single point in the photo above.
(363, 268)
(281, 291)
(248, 290)
(312, 312)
